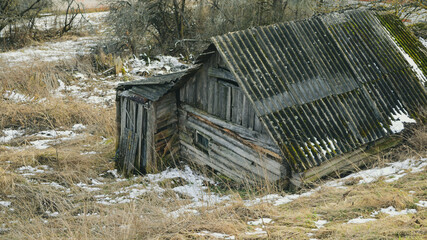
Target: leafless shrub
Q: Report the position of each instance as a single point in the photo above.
(179, 26)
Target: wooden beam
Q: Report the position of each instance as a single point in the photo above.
(347, 162)
(221, 74)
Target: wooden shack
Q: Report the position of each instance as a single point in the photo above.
(296, 100)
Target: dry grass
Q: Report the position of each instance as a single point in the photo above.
(55, 113)
(80, 216)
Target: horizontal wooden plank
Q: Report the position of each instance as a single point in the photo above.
(199, 157)
(221, 73)
(260, 139)
(258, 168)
(236, 146)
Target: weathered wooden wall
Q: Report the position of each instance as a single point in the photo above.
(213, 106)
(214, 91)
(166, 144)
(133, 113)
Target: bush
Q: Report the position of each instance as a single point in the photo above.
(177, 26)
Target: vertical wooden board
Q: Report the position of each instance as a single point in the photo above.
(138, 162)
(144, 140)
(239, 108)
(187, 92)
(228, 109)
(181, 94)
(132, 154)
(130, 151)
(118, 121)
(127, 149)
(245, 112)
(234, 104)
(222, 101)
(123, 116)
(211, 94)
(204, 91)
(132, 115)
(215, 98)
(252, 116)
(258, 124)
(151, 128)
(197, 92)
(192, 91)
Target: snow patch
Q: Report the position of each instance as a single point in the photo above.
(421, 204)
(392, 172)
(398, 120)
(277, 199)
(414, 66)
(52, 214)
(88, 153)
(78, 127)
(5, 203)
(423, 41)
(257, 232)
(320, 223)
(361, 220)
(31, 171)
(162, 65)
(10, 134)
(87, 187)
(261, 221)
(215, 235)
(392, 211)
(17, 97)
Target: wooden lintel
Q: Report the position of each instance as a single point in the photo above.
(221, 73)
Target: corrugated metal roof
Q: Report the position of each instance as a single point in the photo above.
(323, 86)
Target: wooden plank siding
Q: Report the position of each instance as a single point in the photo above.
(212, 104)
(165, 141)
(241, 159)
(214, 90)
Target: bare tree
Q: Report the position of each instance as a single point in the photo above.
(13, 11)
(73, 10)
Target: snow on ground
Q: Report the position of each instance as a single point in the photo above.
(393, 212)
(391, 173)
(55, 51)
(261, 221)
(361, 220)
(191, 185)
(101, 91)
(421, 204)
(9, 134)
(215, 235)
(45, 139)
(320, 223)
(16, 97)
(5, 203)
(160, 65)
(84, 20)
(48, 52)
(32, 171)
(277, 199)
(257, 232)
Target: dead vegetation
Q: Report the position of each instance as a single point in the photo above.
(55, 202)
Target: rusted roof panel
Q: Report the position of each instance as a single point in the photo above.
(323, 86)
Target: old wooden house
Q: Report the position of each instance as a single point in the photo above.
(296, 100)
